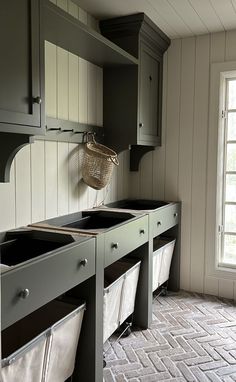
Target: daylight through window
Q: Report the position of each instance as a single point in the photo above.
(228, 226)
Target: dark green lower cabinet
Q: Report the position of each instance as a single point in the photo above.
(56, 262)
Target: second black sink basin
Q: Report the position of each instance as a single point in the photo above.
(137, 204)
(98, 220)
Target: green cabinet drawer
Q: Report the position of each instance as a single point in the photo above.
(164, 219)
(26, 288)
(124, 239)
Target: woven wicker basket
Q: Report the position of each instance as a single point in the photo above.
(98, 164)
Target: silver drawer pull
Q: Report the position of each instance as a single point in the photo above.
(24, 293)
(84, 262)
(142, 231)
(114, 245)
(37, 100)
(159, 223)
(175, 214)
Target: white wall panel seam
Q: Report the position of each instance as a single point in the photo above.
(167, 64)
(191, 183)
(180, 69)
(207, 159)
(44, 164)
(15, 187)
(31, 185)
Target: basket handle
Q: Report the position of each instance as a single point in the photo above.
(91, 135)
(115, 160)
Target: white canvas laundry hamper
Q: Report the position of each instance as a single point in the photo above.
(121, 280)
(48, 356)
(162, 256)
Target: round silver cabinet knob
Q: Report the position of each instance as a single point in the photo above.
(114, 245)
(37, 100)
(141, 124)
(142, 231)
(159, 223)
(84, 262)
(24, 293)
(175, 214)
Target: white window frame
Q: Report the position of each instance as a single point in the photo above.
(218, 73)
(222, 172)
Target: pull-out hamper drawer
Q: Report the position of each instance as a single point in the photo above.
(162, 256)
(121, 279)
(42, 346)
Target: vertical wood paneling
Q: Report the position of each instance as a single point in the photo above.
(99, 116)
(51, 179)
(92, 22)
(172, 123)
(114, 183)
(134, 184)
(217, 47)
(92, 117)
(38, 181)
(82, 187)
(230, 45)
(83, 91)
(73, 177)
(126, 174)
(211, 286)
(146, 176)
(73, 9)
(185, 168)
(217, 55)
(62, 84)
(63, 4)
(120, 176)
(92, 94)
(185, 154)
(83, 16)
(50, 79)
(99, 96)
(63, 178)
(73, 88)
(23, 187)
(7, 202)
(159, 152)
(200, 137)
(226, 288)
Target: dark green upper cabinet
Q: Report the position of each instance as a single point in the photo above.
(21, 68)
(133, 96)
(149, 97)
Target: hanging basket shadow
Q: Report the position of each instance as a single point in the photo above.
(98, 164)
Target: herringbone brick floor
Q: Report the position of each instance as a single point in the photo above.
(192, 338)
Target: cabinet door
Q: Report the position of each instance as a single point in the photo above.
(150, 88)
(20, 93)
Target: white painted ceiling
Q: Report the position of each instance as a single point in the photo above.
(177, 18)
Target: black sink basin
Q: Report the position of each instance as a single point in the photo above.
(98, 220)
(137, 204)
(23, 245)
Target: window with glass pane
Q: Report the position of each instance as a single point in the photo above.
(228, 237)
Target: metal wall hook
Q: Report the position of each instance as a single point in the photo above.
(53, 128)
(67, 131)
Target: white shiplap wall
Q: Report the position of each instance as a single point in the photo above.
(180, 169)
(46, 176)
